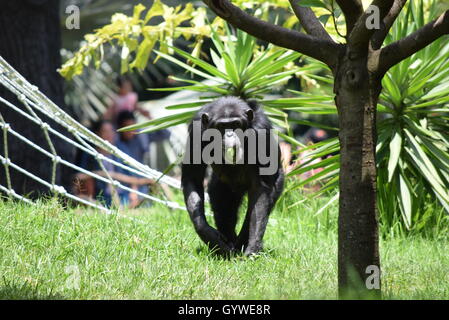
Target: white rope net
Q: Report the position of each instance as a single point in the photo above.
(35, 104)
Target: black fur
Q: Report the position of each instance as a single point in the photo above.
(230, 182)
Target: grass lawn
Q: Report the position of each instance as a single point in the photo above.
(50, 253)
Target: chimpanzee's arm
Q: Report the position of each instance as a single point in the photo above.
(192, 183)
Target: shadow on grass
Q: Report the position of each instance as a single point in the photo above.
(205, 251)
(12, 291)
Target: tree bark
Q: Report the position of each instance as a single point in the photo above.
(357, 91)
(30, 40)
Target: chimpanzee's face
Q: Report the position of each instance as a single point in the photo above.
(227, 118)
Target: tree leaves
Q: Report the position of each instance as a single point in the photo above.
(413, 130)
(395, 151)
(137, 37)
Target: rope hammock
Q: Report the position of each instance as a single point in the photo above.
(36, 103)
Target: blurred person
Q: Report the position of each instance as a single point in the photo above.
(136, 146)
(101, 190)
(286, 155)
(311, 137)
(315, 135)
(126, 100)
(133, 144)
(96, 189)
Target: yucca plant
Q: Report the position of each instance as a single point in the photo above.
(413, 143)
(238, 67)
(413, 131)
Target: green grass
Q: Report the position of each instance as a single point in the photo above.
(47, 252)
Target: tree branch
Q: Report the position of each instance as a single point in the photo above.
(309, 21)
(323, 50)
(404, 48)
(352, 10)
(380, 35)
(361, 34)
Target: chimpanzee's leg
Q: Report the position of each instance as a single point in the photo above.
(225, 204)
(192, 185)
(243, 237)
(261, 200)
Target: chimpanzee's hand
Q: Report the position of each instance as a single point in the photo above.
(216, 240)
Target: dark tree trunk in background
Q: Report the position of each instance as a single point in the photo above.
(30, 40)
(357, 91)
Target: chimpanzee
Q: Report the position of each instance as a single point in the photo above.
(235, 138)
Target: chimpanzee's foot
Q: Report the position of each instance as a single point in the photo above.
(252, 249)
(241, 243)
(224, 248)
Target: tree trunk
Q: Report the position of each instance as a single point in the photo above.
(357, 92)
(30, 40)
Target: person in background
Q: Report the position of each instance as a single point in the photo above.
(97, 189)
(126, 100)
(315, 135)
(130, 142)
(94, 188)
(136, 145)
(312, 136)
(133, 144)
(286, 156)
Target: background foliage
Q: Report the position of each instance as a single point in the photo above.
(413, 141)
(413, 145)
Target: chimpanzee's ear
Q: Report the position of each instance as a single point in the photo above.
(250, 114)
(205, 119)
(253, 104)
